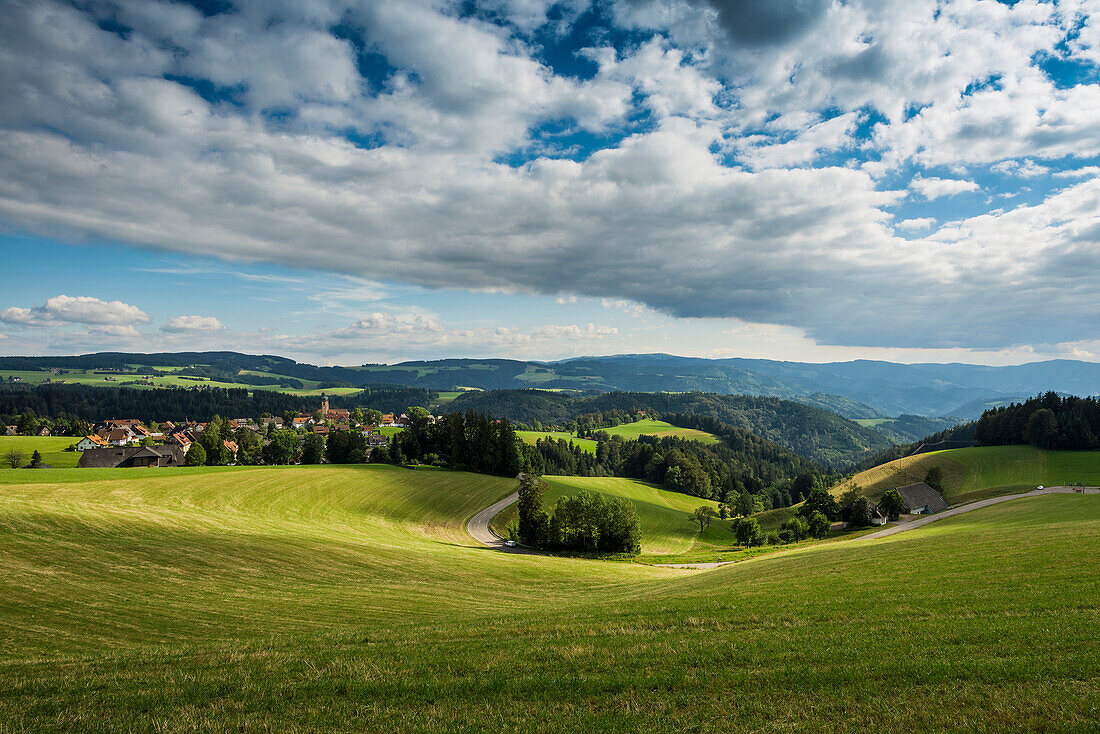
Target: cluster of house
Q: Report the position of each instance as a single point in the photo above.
(14, 431)
(122, 442)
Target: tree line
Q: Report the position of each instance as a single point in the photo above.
(1048, 421)
(93, 403)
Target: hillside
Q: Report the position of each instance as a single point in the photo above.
(858, 389)
(341, 598)
(972, 473)
(666, 529)
(813, 433)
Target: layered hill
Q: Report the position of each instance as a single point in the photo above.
(813, 433)
(858, 389)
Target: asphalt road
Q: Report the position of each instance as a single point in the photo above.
(951, 512)
(479, 530)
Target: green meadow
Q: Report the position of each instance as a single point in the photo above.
(529, 437)
(664, 515)
(974, 473)
(52, 449)
(649, 427)
(351, 599)
(629, 432)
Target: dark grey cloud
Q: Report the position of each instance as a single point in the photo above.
(757, 23)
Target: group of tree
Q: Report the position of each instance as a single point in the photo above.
(15, 458)
(585, 522)
(1048, 421)
(28, 423)
(92, 404)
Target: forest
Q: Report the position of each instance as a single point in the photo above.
(93, 404)
(816, 434)
(1048, 421)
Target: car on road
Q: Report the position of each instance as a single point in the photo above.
(510, 543)
(1039, 487)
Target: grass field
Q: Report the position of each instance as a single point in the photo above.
(630, 431)
(974, 473)
(666, 529)
(89, 377)
(52, 449)
(529, 437)
(872, 422)
(349, 599)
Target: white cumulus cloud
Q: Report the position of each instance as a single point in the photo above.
(64, 309)
(185, 324)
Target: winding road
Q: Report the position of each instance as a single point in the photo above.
(479, 529)
(952, 511)
(478, 526)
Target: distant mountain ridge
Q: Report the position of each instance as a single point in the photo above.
(861, 389)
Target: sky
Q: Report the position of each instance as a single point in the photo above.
(356, 182)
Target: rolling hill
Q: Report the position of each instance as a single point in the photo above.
(348, 598)
(973, 473)
(813, 433)
(857, 389)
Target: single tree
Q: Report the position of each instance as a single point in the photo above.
(860, 513)
(746, 503)
(818, 525)
(892, 504)
(14, 458)
(747, 531)
(702, 517)
(534, 523)
(934, 478)
(797, 528)
(36, 459)
(196, 455)
(821, 501)
(313, 448)
(851, 493)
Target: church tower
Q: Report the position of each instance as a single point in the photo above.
(324, 405)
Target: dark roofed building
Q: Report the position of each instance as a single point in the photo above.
(132, 456)
(922, 499)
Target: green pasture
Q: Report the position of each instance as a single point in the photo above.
(664, 515)
(872, 422)
(350, 599)
(52, 449)
(973, 473)
(648, 427)
(529, 437)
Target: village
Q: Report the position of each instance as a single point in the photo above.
(131, 442)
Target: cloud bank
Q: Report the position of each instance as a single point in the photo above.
(704, 158)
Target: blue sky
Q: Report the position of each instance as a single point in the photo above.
(346, 182)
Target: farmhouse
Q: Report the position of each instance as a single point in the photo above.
(132, 456)
(91, 442)
(922, 499)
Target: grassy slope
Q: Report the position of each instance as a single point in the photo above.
(87, 377)
(347, 599)
(666, 529)
(647, 427)
(529, 437)
(985, 471)
(629, 431)
(52, 449)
